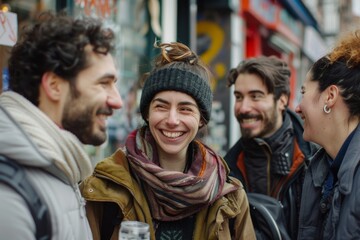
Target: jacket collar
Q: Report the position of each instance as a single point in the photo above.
(350, 164)
(320, 166)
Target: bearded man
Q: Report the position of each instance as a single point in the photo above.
(270, 157)
(62, 90)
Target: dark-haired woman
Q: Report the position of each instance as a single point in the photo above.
(330, 108)
(165, 177)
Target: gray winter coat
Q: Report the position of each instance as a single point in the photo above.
(65, 204)
(344, 216)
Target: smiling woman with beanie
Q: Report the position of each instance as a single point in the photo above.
(164, 176)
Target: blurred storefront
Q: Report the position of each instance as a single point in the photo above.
(222, 32)
(22, 11)
(271, 30)
(229, 31)
(130, 20)
(221, 48)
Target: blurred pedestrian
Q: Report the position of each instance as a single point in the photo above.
(270, 157)
(330, 108)
(62, 89)
(125, 121)
(164, 176)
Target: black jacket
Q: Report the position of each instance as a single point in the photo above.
(289, 185)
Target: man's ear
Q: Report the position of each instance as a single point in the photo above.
(283, 102)
(52, 84)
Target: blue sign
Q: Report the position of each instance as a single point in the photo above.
(5, 79)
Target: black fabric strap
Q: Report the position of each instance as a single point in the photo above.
(14, 176)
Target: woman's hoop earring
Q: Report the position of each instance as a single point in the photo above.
(326, 109)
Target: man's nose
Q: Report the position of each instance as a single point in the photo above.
(114, 99)
(244, 106)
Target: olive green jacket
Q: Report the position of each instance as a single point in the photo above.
(112, 182)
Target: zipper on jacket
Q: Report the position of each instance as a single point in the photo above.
(81, 201)
(268, 153)
(82, 204)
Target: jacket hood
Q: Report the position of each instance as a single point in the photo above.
(17, 145)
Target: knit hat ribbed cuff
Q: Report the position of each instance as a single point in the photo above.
(174, 79)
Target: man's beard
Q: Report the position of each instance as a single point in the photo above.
(269, 124)
(80, 122)
(81, 127)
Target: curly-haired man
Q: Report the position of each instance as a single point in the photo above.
(62, 90)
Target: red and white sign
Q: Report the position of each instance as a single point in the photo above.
(8, 28)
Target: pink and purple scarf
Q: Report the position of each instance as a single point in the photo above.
(175, 195)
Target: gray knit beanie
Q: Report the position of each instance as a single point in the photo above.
(175, 79)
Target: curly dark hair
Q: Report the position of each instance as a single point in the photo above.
(274, 72)
(55, 43)
(341, 67)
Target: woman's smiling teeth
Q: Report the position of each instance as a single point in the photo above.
(172, 134)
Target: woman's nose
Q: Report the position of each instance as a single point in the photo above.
(173, 117)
